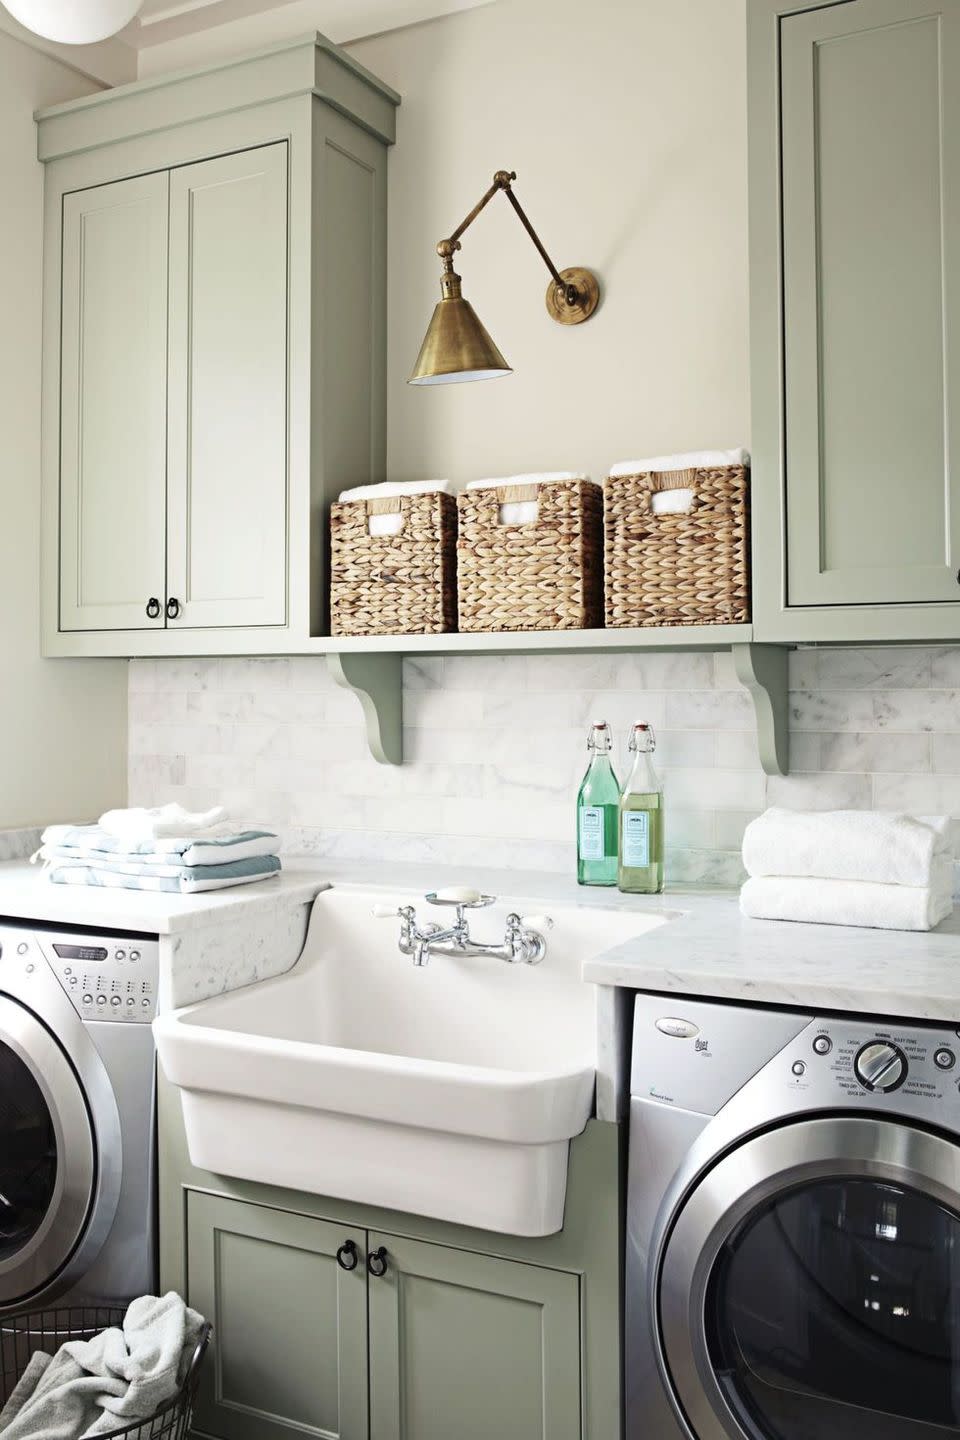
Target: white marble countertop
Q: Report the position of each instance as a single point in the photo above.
(713, 951)
(26, 894)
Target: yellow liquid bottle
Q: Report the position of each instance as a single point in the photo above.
(640, 865)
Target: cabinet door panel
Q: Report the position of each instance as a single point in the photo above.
(290, 1326)
(470, 1346)
(227, 410)
(112, 405)
(871, 237)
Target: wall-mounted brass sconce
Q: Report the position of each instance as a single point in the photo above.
(456, 345)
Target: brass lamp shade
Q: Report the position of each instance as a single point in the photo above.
(456, 346)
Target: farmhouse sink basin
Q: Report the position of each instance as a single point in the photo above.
(450, 1091)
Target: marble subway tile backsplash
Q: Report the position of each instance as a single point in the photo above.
(495, 747)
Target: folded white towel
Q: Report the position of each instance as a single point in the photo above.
(391, 489)
(874, 845)
(689, 460)
(542, 477)
(162, 821)
(851, 902)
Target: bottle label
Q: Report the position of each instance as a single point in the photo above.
(635, 840)
(591, 832)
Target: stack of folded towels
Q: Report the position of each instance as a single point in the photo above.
(167, 848)
(850, 867)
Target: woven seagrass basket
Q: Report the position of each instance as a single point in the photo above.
(400, 584)
(677, 569)
(545, 575)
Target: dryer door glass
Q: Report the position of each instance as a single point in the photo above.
(834, 1309)
(28, 1154)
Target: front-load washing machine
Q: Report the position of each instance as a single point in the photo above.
(77, 1108)
(793, 1235)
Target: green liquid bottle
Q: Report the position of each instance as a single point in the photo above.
(597, 805)
(640, 871)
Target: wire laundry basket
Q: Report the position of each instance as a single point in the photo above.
(21, 1335)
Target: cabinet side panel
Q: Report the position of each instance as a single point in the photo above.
(112, 404)
(349, 336)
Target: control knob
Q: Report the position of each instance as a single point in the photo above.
(881, 1066)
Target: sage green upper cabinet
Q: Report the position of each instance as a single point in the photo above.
(289, 1323)
(227, 395)
(471, 1346)
(855, 276)
(213, 348)
(112, 418)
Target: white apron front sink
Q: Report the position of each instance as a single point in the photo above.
(451, 1091)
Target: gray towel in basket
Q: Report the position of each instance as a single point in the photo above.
(118, 1378)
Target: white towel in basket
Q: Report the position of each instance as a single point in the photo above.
(524, 512)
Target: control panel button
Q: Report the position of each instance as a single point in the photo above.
(145, 1004)
(22, 948)
(134, 955)
(822, 1045)
(679, 1029)
(88, 999)
(880, 1066)
(131, 1001)
(101, 999)
(798, 1068)
(944, 1059)
(121, 954)
(115, 1000)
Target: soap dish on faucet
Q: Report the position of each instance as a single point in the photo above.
(460, 895)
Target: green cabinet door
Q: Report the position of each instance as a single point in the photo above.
(289, 1356)
(113, 357)
(470, 1347)
(870, 106)
(227, 393)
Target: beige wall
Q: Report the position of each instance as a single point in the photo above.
(62, 723)
(626, 123)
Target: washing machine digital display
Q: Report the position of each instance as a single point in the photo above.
(81, 952)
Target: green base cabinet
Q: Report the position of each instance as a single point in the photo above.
(855, 308)
(290, 1323)
(471, 1346)
(341, 1321)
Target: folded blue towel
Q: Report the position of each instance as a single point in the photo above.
(175, 879)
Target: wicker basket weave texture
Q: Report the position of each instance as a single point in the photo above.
(677, 569)
(403, 584)
(546, 575)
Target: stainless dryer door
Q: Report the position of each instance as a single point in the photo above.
(809, 1287)
(47, 1156)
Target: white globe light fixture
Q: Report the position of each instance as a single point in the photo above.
(74, 22)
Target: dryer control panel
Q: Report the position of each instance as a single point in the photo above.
(107, 977)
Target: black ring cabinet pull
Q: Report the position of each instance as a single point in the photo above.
(153, 607)
(347, 1257)
(377, 1262)
(173, 608)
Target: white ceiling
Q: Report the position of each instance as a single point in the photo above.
(171, 33)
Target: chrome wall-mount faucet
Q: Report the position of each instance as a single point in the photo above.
(523, 944)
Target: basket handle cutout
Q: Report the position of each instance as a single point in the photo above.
(673, 492)
(385, 517)
(518, 504)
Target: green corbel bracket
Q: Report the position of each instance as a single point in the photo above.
(762, 669)
(377, 682)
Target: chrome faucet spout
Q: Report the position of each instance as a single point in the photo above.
(523, 941)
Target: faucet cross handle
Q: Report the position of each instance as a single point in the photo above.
(525, 937)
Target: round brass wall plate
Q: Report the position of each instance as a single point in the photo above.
(588, 293)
